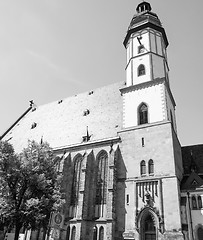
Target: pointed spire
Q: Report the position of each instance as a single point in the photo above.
(87, 137)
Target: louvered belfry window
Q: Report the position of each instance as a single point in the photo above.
(142, 167)
(151, 166)
(141, 70)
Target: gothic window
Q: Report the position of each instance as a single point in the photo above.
(194, 202)
(199, 199)
(151, 166)
(68, 233)
(142, 167)
(143, 114)
(141, 70)
(141, 49)
(101, 233)
(73, 233)
(95, 233)
(76, 179)
(101, 178)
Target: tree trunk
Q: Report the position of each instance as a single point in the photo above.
(17, 231)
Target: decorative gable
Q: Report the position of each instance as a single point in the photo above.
(192, 182)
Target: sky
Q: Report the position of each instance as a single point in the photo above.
(53, 49)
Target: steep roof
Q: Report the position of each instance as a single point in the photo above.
(65, 122)
(196, 159)
(193, 167)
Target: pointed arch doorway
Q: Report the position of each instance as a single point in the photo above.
(149, 229)
(147, 224)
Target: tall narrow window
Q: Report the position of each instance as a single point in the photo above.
(73, 233)
(143, 114)
(141, 70)
(142, 142)
(101, 178)
(68, 233)
(194, 202)
(200, 232)
(101, 233)
(95, 233)
(199, 199)
(127, 199)
(142, 167)
(151, 166)
(76, 180)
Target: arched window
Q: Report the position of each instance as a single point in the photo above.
(68, 233)
(200, 233)
(73, 233)
(101, 233)
(143, 114)
(141, 70)
(95, 233)
(194, 202)
(142, 167)
(101, 178)
(151, 166)
(76, 179)
(199, 199)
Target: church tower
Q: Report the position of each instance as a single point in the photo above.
(150, 146)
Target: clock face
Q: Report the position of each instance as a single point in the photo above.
(58, 218)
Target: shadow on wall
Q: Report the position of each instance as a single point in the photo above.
(1, 235)
(120, 195)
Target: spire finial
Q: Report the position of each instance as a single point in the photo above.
(143, 6)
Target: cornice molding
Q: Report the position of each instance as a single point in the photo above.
(87, 145)
(142, 85)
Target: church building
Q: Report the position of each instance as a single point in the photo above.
(125, 174)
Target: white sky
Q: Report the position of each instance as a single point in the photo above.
(52, 49)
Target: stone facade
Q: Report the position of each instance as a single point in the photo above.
(125, 175)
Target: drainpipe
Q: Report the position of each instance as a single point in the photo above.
(191, 224)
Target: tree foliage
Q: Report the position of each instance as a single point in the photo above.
(29, 186)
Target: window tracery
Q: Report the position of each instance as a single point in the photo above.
(76, 179)
(101, 178)
(142, 114)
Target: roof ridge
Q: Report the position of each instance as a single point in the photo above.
(81, 93)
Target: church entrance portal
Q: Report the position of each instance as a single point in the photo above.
(147, 224)
(149, 231)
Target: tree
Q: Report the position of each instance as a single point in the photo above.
(29, 186)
